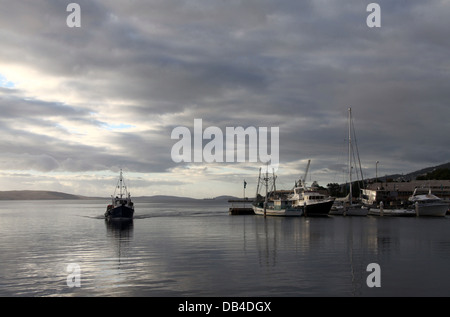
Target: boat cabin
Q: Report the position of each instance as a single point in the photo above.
(313, 196)
(281, 204)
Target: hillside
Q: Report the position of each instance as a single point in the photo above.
(51, 195)
(172, 199)
(413, 175)
(37, 195)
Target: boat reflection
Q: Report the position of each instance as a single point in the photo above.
(339, 248)
(120, 233)
(119, 228)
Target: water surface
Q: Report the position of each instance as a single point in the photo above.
(197, 249)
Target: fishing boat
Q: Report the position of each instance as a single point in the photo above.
(121, 206)
(302, 201)
(429, 204)
(280, 206)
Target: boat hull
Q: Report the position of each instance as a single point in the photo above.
(433, 210)
(120, 212)
(287, 212)
(356, 211)
(318, 209)
(392, 212)
(336, 211)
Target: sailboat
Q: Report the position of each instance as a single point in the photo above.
(353, 209)
(121, 206)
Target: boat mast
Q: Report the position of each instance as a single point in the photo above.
(350, 153)
(257, 186)
(120, 180)
(274, 187)
(266, 200)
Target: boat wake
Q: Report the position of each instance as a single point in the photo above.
(171, 213)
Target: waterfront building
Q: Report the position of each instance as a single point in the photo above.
(391, 193)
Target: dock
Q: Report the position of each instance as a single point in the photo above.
(240, 207)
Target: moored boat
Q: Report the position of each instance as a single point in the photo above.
(300, 201)
(286, 211)
(428, 205)
(337, 209)
(121, 206)
(355, 210)
(313, 203)
(280, 206)
(394, 212)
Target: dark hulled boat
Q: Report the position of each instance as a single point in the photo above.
(121, 206)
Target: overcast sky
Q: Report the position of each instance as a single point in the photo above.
(77, 104)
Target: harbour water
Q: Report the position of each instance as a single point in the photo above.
(197, 249)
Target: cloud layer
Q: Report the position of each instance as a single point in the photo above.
(85, 101)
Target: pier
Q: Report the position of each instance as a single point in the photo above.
(240, 207)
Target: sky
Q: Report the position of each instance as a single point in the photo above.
(78, 104)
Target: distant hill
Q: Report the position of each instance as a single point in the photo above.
(37, 195)
(413, 175)
(437, 174)
(167, 199)
(163, 198)
(51, 195)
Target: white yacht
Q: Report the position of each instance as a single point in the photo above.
(313, 203)
(429, 204)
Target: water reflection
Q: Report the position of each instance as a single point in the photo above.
(115, 269)
(120, 228)
(276, 235)
(328, 254)
(120, 233)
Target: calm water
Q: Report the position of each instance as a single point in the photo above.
(199, 250)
